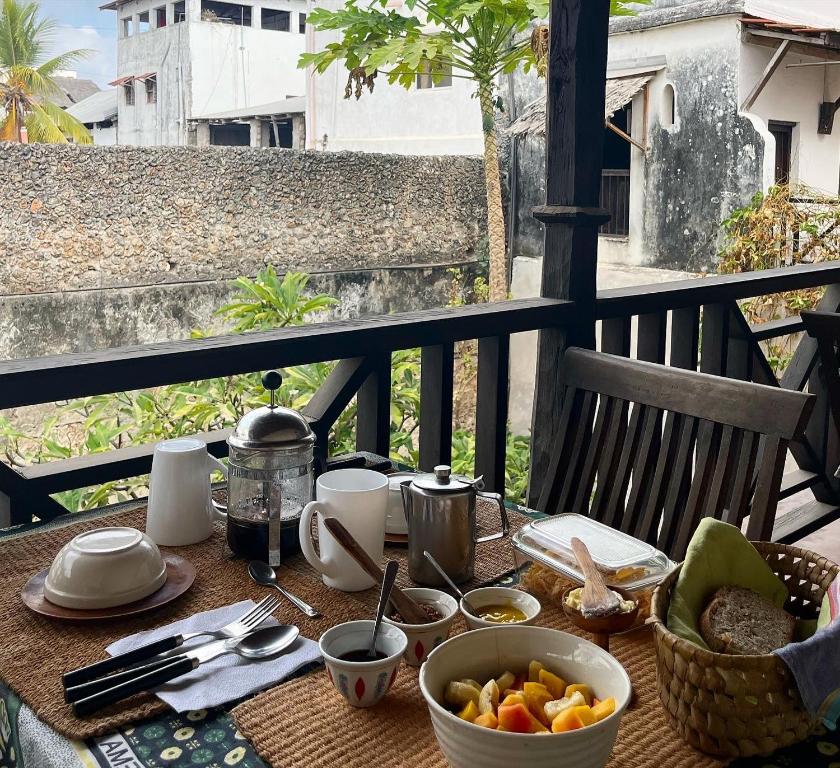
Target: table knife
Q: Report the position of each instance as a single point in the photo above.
(138, 680)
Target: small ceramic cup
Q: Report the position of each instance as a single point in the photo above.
(423, 638)
(362, 683)
(486, 596)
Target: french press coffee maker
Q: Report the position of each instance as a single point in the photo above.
(270, 479)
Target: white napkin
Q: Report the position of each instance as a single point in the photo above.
(227, 677)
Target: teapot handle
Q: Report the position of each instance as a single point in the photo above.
(502, 513)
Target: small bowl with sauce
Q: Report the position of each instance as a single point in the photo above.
(500, 606)
(423, 638)
(361, 680)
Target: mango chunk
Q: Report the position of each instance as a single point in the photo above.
(603, 709)
(517, 719)
(516, 697)
(556, 685)
(469, 712)
(585, 690)
(571, 719)
(536, 697)
(487, 720)
(534, 669)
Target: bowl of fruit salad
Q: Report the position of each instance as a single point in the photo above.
(522, 695)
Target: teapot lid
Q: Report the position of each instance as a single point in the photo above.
(272, 427)
(442, 480)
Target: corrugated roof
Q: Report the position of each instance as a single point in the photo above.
(289, 106)
(97, 108)
(72, 90)
(620, 91)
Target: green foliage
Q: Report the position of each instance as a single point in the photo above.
(474, 39)
(267, 302)
(790, 224)
(106, 422)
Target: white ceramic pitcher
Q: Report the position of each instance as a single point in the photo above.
(180, 509)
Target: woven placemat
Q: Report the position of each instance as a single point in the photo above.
(306, 722)
(36, 651)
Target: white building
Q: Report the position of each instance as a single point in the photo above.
(427, 119)
(181, 63)
(98, 113)
(726, 100)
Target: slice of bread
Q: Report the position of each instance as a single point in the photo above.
(741, 621)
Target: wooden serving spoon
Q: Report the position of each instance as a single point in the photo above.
(408, 608)
(597, 599)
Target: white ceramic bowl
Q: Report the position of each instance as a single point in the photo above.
(485, 596)
(105, 568)
(422, 638)
(487, 653)
(362, 683)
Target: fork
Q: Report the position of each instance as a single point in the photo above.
(241, 626)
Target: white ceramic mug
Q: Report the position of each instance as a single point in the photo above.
(359, 499)
(180, 509)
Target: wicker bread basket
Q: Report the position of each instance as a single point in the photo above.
(738, 706)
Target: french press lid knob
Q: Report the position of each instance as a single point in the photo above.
(272, 380)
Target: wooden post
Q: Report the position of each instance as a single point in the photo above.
(574, 137)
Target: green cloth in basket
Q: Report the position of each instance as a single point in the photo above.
(718, 555)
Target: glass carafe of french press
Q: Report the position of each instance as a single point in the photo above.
(270, 479)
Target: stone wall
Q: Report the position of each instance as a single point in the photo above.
(131, 244)
(92, 217)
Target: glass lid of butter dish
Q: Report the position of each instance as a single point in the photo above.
(624, 560)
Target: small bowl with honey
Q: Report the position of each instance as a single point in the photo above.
(500, 606)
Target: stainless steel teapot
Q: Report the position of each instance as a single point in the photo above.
(440, 510)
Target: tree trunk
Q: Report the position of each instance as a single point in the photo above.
(493, 184)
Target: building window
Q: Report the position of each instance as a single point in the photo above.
(151, 89)
(126, 27)
(302, 23)
(668, 107)
(782, 132)
(143, 22)
(128, 93)
(227, 13)
(279, 21)
(179, 12)
(160, 17)
(428, 78)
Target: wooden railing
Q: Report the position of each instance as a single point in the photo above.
(693, 324)
(362, 347)
(697, 324)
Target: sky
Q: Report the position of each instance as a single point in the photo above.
(83, 25)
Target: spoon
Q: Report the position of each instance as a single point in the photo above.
(260, 644)
(264, 575)
(384, 595)
(436, 565)
(596, 599)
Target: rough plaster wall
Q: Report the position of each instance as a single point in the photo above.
(82, 321)
(706, 165)
(97, 217)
